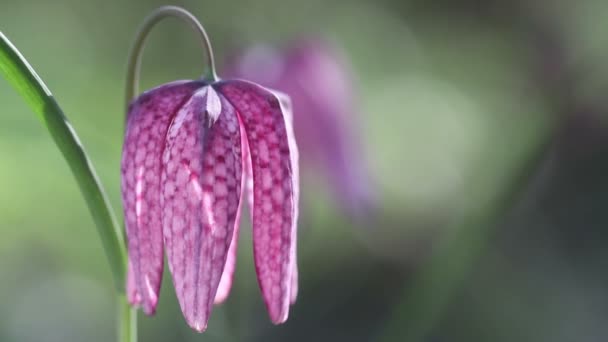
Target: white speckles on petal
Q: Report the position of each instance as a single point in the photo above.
(263, 151)
(266, 179)
(220, 189)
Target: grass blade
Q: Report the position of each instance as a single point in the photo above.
(28, 84)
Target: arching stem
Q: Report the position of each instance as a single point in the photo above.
(134, 63)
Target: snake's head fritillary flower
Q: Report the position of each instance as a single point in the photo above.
(190, 149)
(317, 78)
(188, 146)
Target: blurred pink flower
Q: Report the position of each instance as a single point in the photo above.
(189, 148)
(318, 81)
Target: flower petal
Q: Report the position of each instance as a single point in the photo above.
(225, 285)
(321, 84)
(273, 157)
(223, 289)
(148, 119)
(132, 290)
(201, 186)
(294, 155)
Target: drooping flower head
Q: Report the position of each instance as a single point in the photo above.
(190, 148)
(318, 80)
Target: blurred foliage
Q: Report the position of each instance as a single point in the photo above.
(453, 94)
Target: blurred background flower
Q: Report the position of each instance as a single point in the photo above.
(450, 99)
(319, 83)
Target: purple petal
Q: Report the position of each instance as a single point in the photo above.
(148, 119)
(201, 186)
(246, 189)
(287, 107)
(320, 83)
(273, 158)
(132, 290)
(225, 285)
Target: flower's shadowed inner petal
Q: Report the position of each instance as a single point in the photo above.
(223, 289)
(273, 158)
(246, 190)
(148, 120)
(200, 193)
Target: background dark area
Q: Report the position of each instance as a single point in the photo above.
(484, 123)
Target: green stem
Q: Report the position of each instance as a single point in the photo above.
(134, 63)
(127, 324)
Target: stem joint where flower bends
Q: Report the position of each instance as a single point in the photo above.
(134, 62)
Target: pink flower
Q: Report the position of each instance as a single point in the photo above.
(317, 79)
(189, 149)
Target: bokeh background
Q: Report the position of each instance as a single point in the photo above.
(483, 125)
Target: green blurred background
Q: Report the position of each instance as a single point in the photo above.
(484, 123)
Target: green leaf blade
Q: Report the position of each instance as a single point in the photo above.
(19, 73)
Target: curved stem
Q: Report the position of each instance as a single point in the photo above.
(134, 64)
